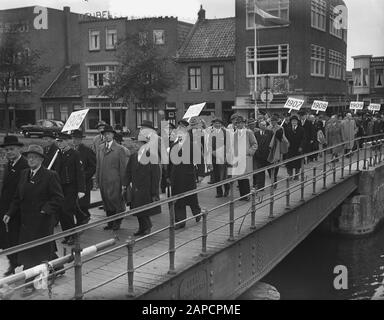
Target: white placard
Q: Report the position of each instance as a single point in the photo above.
(194, 110)
(356, 105)
(319, 106)
(294, 104)
(75, 120)
(374, 107)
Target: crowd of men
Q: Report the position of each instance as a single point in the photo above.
(44, 187)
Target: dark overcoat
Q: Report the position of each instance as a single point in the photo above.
(309, 135)
(263, 143)
(41, 193)
(296, 141)
(145, 179)
(10, 182)
(88, 158)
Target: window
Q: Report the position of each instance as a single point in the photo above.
(158, 37)
(337, 32)
(379, 79)
(50, 113)
(272, 60)
(317, 61)
(98, 75)
(335, 64)
(143, 113)
(356, 74)
(21, 84)
(217, 78)
(111, 38)
(318, 14)
(94, 40)
(63, 113)
(143, 38)
(277, 8)
(194, 78)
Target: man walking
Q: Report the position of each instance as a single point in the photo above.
(73, 184)
(110, 174)
(88, 159)
(38, 198)
(9, 237)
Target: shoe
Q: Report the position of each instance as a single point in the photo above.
(108, 227)
(11, 270)
(27, 291)
(146, 231)
(180, 226)
(198, 218)
(245, 199)
(219, 196)
(85, 221)
(138, 233)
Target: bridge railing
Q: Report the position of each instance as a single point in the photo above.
(368, 152)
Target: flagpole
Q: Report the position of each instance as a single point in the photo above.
(255, 61)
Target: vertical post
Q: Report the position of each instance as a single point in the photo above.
(302, 180)
(253, 209)
(130, 267)
(172, 249)
(358, 156)
(324, 170)
(314, 181)
(334, 170)
(371, 154)
(272, 192)
(287, 194)
(78, 267)
(342, 165)
(232, 213)
(365, 156)
(204, 235)
(350, 161)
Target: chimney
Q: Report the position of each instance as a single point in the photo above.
(67, 35)
(201, 14)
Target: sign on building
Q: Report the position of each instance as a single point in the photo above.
(319, 106)
(75, 120)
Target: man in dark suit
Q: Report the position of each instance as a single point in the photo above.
(16, 163)
(295, 135)
(263, 137)
(309, 133)
(50, 149)
(88, 158)
(72, 180)
(38, 197)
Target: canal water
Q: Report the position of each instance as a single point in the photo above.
(308, 271)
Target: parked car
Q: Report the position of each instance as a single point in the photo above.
(42, 126)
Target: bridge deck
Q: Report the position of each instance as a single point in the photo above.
(149, 276)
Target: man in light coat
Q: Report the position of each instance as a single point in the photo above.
(110, 174)
(349, 131)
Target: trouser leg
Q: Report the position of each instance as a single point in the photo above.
(244, 187)
(180, 211)
(67, 212)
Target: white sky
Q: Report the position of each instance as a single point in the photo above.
(366, 23)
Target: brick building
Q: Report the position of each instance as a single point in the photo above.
(207, 68)
(368, 79)
(305, 58)
(54, 34)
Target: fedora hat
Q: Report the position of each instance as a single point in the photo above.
(147, 124)
(11, 141)
(77, 134)
(294, 118)
(33, 148)
(240, 119)
(234, 116)
(101, 123)
(217, 120)
(63, 136)
(183, 122)
(108, 128)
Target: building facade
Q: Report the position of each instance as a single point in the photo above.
(304, 58)
(368, 79)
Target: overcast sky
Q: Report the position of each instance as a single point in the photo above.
(366, 23)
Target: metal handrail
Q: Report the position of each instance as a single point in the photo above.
(198, 190)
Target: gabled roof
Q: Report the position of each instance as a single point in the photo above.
(66, 85)
(210, 39)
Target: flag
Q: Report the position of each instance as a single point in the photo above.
(265, 19)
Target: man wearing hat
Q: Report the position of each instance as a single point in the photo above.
(16, 164)
(111, 164)
(37, 199)
(99, 139)
(88, 158)
(72, 180)
(217, 156)
(295, 135)
(50, 149)
(232, 125)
